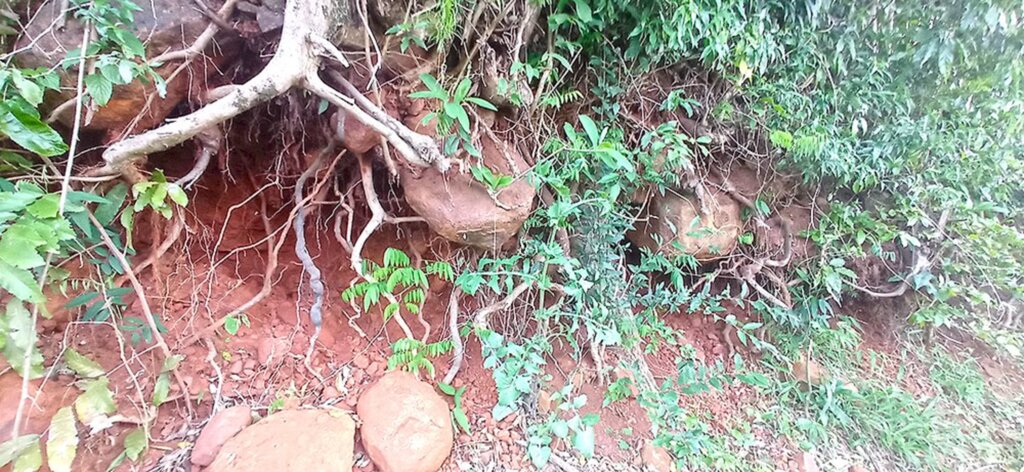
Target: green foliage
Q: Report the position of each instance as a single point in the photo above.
(564, 423)
(116, 51)
(452, 113)
(402, 286)
(413, 354)
(459, 418)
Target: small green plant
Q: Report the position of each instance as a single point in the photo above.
(459, 418)
(235, 322)
(564, 423)
(403, 288)
(620, 389)
(452, 113)
(413, 354)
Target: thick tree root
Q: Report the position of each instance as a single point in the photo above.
(295, 64)
(458, 349)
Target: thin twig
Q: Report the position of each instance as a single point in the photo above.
(140, 291)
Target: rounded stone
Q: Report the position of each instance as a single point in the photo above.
(406, 425)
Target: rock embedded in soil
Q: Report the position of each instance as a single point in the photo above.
(406, 425)
(657, 459)
(222, 427)
(459, 208)
(673, 226)
(299, 440)
(807, 371)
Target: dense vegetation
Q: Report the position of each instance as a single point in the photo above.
(901, 123)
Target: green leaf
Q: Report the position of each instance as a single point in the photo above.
(20, 283)
(232, 324)
(96, 402)
(11, 449)
(162, 389)
(446, 388)
(583, 11)
(177, 194)
(539, 455)
(62, 443)
(482, 103)
(432, 84)
(46, 207)
(19, 340)
(461, 419)
(106, 212)
(83, 366)
(583, 441)
(591, 129)
(462, 90)
(31, 92)
(30, 460)
(134, 443)
(25, 128)
(456, 111)
(99, 88)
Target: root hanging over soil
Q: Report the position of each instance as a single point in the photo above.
(308, 25)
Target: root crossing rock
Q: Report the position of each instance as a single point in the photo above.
(680, 227)
(321, 440)
(463, 210)
(406, 425)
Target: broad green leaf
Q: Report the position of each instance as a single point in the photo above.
(20, 283)
(28, 89)
(45, 207)
(456, 111)
(25, 128)
(539, 455)
(591, 129)
(583, 11)
(135, 442)
(62, 442)
(482, 103)
(446, 388)
(162, 389)
(96, 402)
(462, 90)
(431, 83)
(11, 449)
(106, 212)
(99, 88)
(83, 366)
(583, 441)
(20, 340)
(232, 324)
(30, 460)
(177, 194)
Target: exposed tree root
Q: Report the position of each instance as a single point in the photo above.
(480, 320)
(296, 62)
(316, 284)
(210, 141)
(458, 349)
(376, 218)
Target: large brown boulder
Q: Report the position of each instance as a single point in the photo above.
(162, 25)
(459, 208)
(673, 225)
(407, 426)
(321, 440)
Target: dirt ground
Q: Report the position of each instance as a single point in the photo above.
(220, 265)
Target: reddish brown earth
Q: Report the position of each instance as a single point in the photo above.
(219, 264)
